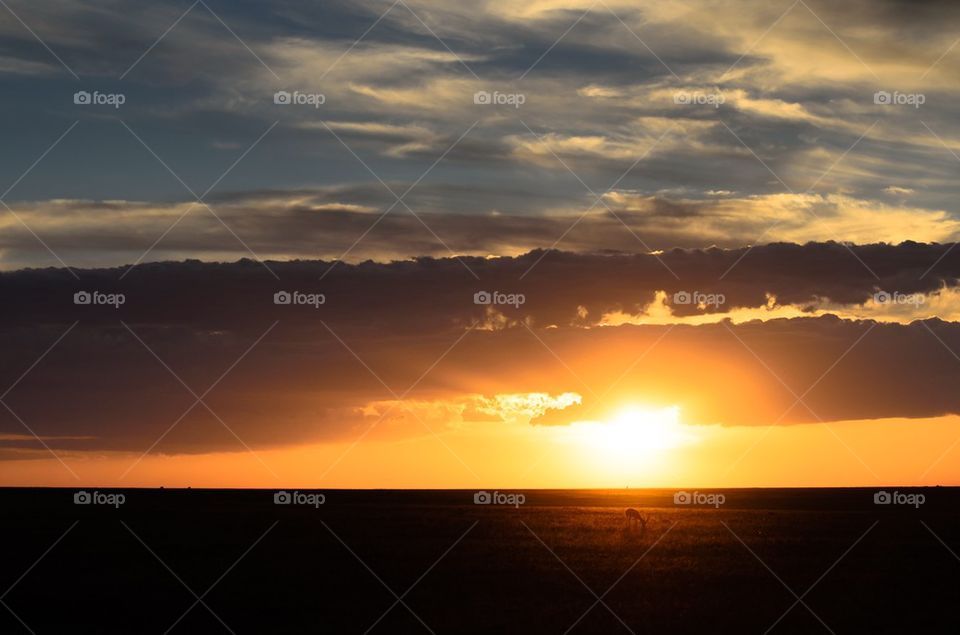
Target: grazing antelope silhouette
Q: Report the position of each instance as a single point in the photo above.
(635, 520)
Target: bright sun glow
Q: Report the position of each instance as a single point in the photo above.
(633, 434)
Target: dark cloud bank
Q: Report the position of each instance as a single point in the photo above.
(105, 390)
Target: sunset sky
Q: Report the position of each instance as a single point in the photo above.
(538, 244)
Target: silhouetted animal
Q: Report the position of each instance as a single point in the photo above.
(635, 520)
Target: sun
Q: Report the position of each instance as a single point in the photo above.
(633, 435)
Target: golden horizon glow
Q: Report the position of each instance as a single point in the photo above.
(850, 454)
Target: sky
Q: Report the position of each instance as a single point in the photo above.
(426, 244)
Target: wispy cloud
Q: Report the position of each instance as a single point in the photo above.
(798, 88)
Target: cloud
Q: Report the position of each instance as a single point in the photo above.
(364, 222)
(292, 372)
(559, 288)
(798, 151)
(884, 306)
(795, 95)
(897, 190)
(787, 218)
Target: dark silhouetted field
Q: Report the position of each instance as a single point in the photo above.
(787, 561)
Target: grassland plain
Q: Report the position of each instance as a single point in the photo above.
(197, 561)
